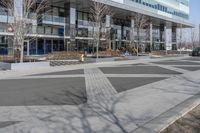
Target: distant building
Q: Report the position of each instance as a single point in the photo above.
(68, 25)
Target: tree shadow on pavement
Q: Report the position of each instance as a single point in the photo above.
(96, 116)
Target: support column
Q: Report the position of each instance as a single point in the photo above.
(73, 27)
(10, 46)
(18, 13)
(44, 46)
(52, 46)
(166, 39)
(119, 38)
(28, 48)
(132, 36)
(64, 39)
(174, 38)
(70, 28)
(180, 38)
(36, 46)
(108, 28)
(162, 41)
(151, 37)
(114, 41)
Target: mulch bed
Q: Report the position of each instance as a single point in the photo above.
(190, 123)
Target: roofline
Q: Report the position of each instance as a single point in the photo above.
(134, 8)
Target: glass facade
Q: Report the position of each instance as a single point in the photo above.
(3, 45)
(69, 24)
(156, 5)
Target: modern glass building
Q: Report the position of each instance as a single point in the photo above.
(67, 26)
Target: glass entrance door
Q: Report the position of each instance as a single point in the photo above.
(48, 46)
(40, 47)
(26, 47)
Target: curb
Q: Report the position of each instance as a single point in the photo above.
(167, 118)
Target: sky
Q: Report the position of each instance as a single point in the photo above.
(195, 11)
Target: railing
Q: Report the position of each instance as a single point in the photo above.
(53, 19)
(3, 11)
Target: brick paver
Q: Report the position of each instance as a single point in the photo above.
(98, 87)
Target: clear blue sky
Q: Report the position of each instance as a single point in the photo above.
(195, 11)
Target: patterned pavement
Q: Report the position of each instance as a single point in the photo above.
(98, 86)
(59, 90)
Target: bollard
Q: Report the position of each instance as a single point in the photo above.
(82, 58)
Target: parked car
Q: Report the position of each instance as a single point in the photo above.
(196, 52)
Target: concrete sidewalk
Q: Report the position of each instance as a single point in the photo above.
(23, 72)
(146, 109)
(157, 105)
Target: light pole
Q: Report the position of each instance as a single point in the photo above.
(180, 47)
(199, 34)
(64, 36)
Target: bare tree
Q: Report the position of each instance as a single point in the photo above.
(186, 39)
(147, 37)
(141, 21)
(98, 12)
(31, 13)
(194, 37)
(180, 39)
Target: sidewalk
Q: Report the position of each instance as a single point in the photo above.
(158, 105)
(22, 72)
(146, 109)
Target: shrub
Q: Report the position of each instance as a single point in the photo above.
(64, 55)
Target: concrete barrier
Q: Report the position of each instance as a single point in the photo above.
(29, 65)
(5, 66)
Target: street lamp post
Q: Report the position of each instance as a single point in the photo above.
(199, 34)
(180, 47)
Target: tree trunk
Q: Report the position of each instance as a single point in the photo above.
(98, 41)
(138, 43)
(14, 51)
(97, 47)
(22, 52)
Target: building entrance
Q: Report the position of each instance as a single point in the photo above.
(26, 48)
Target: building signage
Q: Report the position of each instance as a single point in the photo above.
(118, 1)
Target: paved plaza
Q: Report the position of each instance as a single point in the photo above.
(143, 95)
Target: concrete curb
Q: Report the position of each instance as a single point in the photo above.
(164, 120)
(191, 104)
